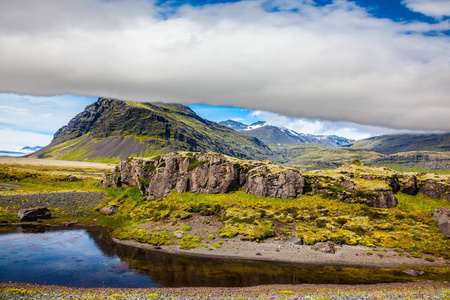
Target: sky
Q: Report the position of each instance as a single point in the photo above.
(355, 68)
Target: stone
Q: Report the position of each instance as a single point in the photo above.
(410, 187)
(109, 210)
(70, 223)
(442, 215)
(433, 189)
(414, 273)
(348, 185)
(32, 214)
(445, 228)
(326, 247)
(178, 234)
(295, 240)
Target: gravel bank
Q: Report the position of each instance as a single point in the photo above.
(274, 250)
(420, 290)
(78, 203)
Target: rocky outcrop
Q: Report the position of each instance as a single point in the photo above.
(206, 174)
(433, 189)
(32, 214)
(442, 214)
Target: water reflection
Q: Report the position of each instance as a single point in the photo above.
(88, 257)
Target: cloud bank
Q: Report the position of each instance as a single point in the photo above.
(333, 62)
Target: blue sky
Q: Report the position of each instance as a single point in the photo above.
(355, 68)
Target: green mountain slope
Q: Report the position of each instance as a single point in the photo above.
(110, 130)
(389, 144)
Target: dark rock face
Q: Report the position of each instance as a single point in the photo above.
(206, 174)
(32, 214)
(384, 199)
(410, 187)
(286, 184)
(433, 189)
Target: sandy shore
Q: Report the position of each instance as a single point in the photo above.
(23, 161)
(282, 251)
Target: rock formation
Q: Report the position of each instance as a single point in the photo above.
(210, 173)
(206, 174)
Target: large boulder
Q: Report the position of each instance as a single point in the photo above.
(32, 214)
(109, 210)
(442, 214)
(433, 189)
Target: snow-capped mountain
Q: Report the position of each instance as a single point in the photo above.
(271, 134)
(22, 151)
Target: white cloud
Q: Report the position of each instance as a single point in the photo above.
(39, 114)
(319, 127)
(331, 63)
(13, 140)
(434, 8)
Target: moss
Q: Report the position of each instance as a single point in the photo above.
(189, 242)
(143, 236)
(186, 228)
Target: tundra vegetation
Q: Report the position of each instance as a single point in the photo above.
(327, 209)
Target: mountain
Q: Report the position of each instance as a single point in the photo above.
(23, 151)
(110, 130)
(270, 134)
(29, 149)
(390, 144)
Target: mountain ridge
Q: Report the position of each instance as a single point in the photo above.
(271, 134)
(110, 130)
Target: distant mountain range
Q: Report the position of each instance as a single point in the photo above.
(111, 130)
(23, 151)
(271, 134)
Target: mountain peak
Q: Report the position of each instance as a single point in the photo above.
(112, 130)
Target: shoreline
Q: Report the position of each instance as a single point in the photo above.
(278, 251)
(410, 290)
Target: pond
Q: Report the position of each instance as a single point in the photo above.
(87, 257)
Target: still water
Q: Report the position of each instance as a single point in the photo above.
(65, 257)
(87, 257)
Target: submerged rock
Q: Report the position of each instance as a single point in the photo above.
(32, 214)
